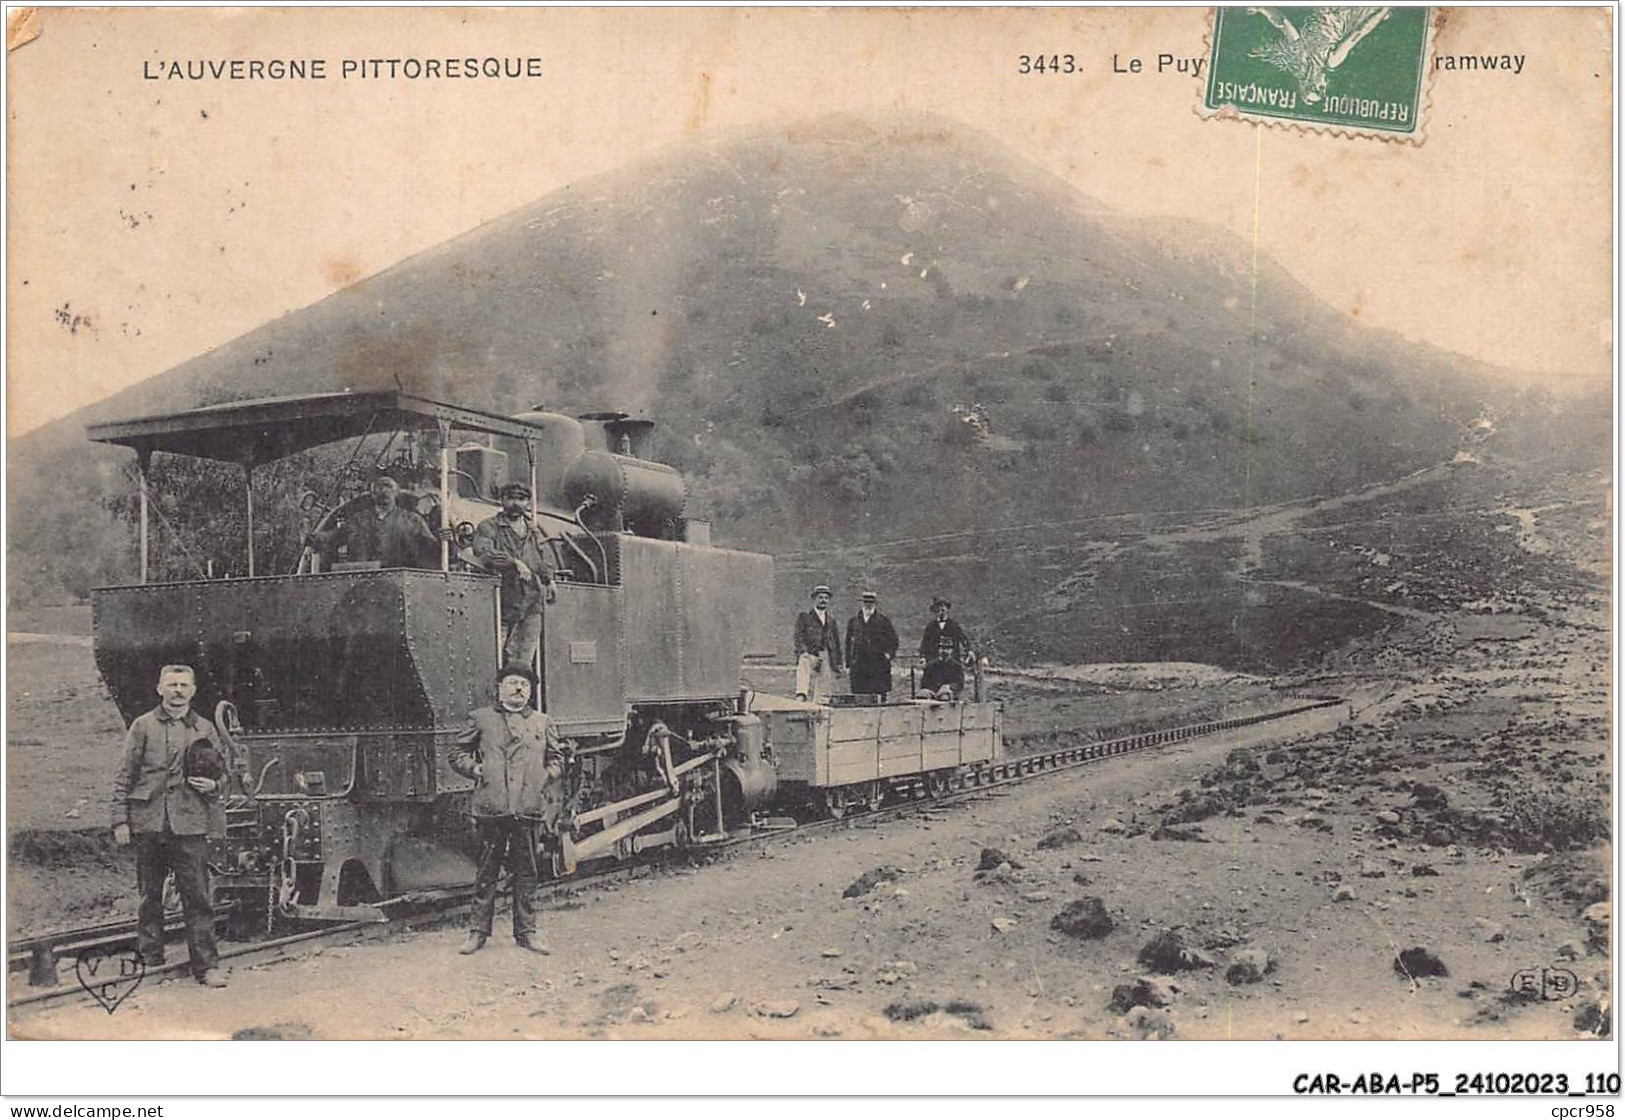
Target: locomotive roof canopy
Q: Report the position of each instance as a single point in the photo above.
(259, 431)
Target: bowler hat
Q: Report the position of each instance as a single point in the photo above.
(516, 671)
(203, 760)
(939, 601)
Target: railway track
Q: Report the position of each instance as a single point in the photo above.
(42, 956)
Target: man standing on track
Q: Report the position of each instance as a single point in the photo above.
(817, 648)
(512, 751)
(871, 643)
(169, 817)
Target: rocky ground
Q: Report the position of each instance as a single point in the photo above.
(1399, 875)
(1384, 879)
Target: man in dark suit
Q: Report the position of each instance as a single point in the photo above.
(817, 648)
(512, 751)
(385, 531)
(871, 643)
(945, 648)
(169, 815)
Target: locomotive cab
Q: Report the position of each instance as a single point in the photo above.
(339, 686)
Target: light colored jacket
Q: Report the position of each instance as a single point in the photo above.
(150, 790)
(519, 756)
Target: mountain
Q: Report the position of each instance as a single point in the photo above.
(852, 329)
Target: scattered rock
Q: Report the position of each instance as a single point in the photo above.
(1174, 832)
(1084, 918)
(903, 968)
(1112, 826)
(1003, 925)
(1036, 896)
(1060, 838)
(992, 858)
(866, 882)
(637, 1015)
(1429, 797)
(1301, 1017)
(1150, 1022)
(775, 1008)
(1423, 871)
(907, 1010)
(1370, 869)
(830, 953)
(1343, 894)
(1247, 966)
(826, 1028)
(1594, 1017)
(1417, 962)
(689, 939)
(1490, 931)
(1388, 816)
(1598, 917)
(724, 1002)
(1167, 952)
(1147, 991)
(1570, 951)
(1438, 837)
(1080, 878)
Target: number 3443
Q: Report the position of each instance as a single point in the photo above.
(1046, 64)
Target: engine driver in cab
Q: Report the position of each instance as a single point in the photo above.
(384, 531)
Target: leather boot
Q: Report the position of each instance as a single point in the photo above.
(473, 943)
(531, 945)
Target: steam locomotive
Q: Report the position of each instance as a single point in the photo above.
(338, 687)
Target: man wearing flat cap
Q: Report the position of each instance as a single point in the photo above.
(945, 649)
(510, 544)
(384, 531)
(818, 648)
(871, 643)
(513, 754)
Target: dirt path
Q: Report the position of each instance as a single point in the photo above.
(766, 946)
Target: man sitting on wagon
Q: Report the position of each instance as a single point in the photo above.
(946, 650)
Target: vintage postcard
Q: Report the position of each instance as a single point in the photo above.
(881, 525)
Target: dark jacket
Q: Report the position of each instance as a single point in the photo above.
(398, 539)
(945, 642)
(150, 787)
(811, 637)
(870, 641)
(497, 546)
(520, 756)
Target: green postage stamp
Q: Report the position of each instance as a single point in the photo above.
(1355, 70)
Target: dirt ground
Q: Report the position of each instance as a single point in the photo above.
(1291, 865)
(1259, 885)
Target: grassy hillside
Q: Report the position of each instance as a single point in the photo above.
(849, 331)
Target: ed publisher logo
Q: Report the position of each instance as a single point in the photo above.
(1544, 983)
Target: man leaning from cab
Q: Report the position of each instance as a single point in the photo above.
(511, 545)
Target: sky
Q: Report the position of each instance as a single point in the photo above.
(153, 219)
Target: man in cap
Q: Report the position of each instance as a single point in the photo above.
(169, 815)
(817, 647)
(871, 643)
(511, 545)
(945, 648)
(513, 754)
(384, 531)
